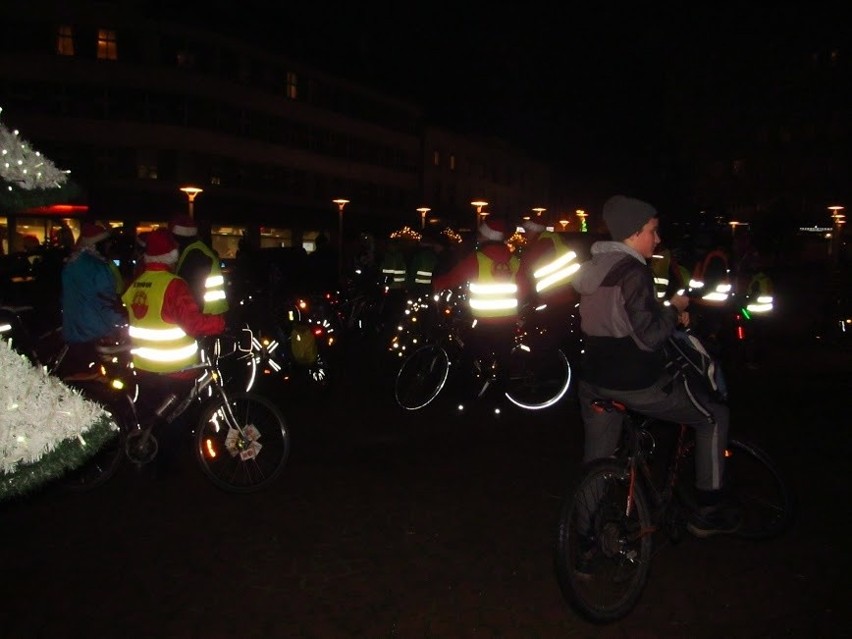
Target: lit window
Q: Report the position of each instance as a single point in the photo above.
(65, 40)
(452, 161)
(292, 88)
(107, 45)
(436, 157)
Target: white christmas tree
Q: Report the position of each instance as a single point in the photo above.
(23, 167)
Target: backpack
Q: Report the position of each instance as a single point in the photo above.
(303, 344)
(688, 358)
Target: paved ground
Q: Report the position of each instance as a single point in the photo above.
(391, 524)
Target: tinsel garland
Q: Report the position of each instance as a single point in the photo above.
(46, 427)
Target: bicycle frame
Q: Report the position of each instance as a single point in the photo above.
(640, 468)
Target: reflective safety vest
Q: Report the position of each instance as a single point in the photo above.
(660, 265)
(215, 301)
(393, 268)
(423, 267)
(157, 345)
(719, 291)
(556, 271)
(759, 296)
(494, 292)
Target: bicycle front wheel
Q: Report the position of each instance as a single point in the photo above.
(246, 458)
(603, 548)
(756, 484)
(537, 380)
(421, 377)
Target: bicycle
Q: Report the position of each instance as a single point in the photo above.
(609, 516)
(533, 378)
(241, 440)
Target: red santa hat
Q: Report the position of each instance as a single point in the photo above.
(91, 234)
(160, 247)
(531, 226)
(493, 229)
(183, 226)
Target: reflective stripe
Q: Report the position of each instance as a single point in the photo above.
(500, 288)
(5, 327)
(165, 355)
(212, 296)
(423, 277)
(662, 284)
(556, 278)
(156, 334)
(493, 305)
(214, 280)
(763, 304)
(555, 265)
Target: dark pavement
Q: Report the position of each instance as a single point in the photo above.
(415, 525)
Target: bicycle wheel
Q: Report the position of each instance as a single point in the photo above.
(755, 483)
(248, 461)
(537, 380)
(602, 553)
(421, 377)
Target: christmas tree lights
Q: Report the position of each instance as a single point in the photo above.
(23, 167)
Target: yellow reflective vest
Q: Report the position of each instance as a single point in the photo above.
(494, 292)
(556, 272)
(158, 346)
(215, 301)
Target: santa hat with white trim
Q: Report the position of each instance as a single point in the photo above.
(91, 234)
(160, 247)
(183, 226)
(493, 229)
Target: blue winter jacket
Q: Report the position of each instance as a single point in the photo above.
(89, 300)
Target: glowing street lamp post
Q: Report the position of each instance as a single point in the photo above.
(191, 192)
(423, 210)
(538, 210)
(582, 215)
(479, 215)
(341, 203)
(839, 220)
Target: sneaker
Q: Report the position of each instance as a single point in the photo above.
(724, 518)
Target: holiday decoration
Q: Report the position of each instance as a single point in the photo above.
(23, 166)
(46, 427)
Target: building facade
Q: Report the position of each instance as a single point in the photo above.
(138, 108)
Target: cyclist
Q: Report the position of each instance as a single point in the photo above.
(199, 266)
(625, 330)
(544, 279)
(91, 309)
(164, 322)
(490, 272)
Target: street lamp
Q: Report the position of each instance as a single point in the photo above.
(564, 223)
(423, 210)
(582, 215)
(191, 192)
(538, 210)
(479, 204)
(341, 203)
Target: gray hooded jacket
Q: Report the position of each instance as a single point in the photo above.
(624, 326)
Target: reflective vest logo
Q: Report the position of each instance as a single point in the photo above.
(139, 305)
(501, 271)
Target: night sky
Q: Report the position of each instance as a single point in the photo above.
(591, 87)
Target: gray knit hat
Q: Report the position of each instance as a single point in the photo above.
(625, 216)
